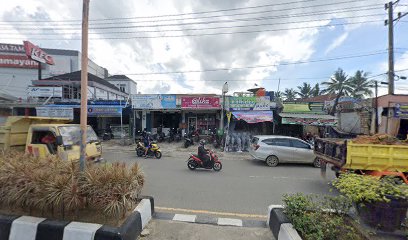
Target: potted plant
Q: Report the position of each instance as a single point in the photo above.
(381, 203)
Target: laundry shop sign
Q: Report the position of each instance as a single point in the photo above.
(200, 102)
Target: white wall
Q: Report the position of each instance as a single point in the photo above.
(350, 122)
(131, 86)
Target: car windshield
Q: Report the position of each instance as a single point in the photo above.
(71, 135)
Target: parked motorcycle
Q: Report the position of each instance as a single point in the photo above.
(171, 135)
(107, 135)
(178, 135)
(154, 150)
(188, 141)
(194, 162)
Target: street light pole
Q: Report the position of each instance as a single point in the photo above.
(224, 91)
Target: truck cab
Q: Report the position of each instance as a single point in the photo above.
(48, 136)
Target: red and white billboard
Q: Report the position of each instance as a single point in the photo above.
(17, 61)
(37, 54)
(200, 102)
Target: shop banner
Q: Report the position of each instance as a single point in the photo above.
(200, 102)
(17, 61)
(254, 116)
(57, 112)
(104, 111)
(249, 103)
(310, 121)
(401, 110)
(153, 101)
(44, 91)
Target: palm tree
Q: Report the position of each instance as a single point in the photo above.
(278, 96)
(289, 94)
(360, 85)
(316, 90)
(305, 90)
(339, 84)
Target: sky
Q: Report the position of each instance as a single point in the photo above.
(188, 46)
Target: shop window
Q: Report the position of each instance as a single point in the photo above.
(122, 87)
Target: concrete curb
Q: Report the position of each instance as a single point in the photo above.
(208, 219)
(33, 228)
(280, 225)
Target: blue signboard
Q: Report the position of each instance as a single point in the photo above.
(153, 101)
(104, 111)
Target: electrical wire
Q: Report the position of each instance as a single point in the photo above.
(188, 29)
(199, 35)
(206, 12)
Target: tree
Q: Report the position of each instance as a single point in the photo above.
(289, 94)
(360, 85)
(305, 90)
(339, 84)
(278, 96)
(316, 90)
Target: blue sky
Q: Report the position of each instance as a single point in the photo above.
(277, 33)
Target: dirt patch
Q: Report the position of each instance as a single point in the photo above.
(383, 139)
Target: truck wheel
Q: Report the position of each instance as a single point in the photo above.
(272, 161)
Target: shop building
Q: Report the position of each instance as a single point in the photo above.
(17, 70)
(124, 83)
(200, 112)
(392, 115)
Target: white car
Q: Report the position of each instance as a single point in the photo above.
(275, 149)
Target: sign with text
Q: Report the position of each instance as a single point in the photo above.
(153, 101)
(200, 102)
(309, 121)
(37, 54)
(249, 103)
(104, 111)
(44, 91)
(11, 48)
(57, 112)
(17, 61)
(401, 110)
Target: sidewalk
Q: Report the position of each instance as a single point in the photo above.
(172, 230)
(173, 149)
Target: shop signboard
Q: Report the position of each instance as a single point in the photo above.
(153, 101)
(37, 54)
(44, 91)
(249, 103)
(254, 116)
(17, 61)
(401, 110)
(57, 112)
(104, 111)
(200, 102)
(309, 121)
(11, 48)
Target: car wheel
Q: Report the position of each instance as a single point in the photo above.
(316, 163)
(272, 161)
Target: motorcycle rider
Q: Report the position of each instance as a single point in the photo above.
(203, 153)
(146, 141)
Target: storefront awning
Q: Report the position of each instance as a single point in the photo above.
(254, 116)
(308, 119)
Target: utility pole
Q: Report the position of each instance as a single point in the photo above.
(390, 22)
(376, 107)
(84, 84)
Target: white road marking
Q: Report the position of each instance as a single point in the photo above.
(184, 218)
(230, 222)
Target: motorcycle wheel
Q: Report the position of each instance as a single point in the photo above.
(158, 155)
(186, 144)
(217, 166)
(191, 164)
(139, 153)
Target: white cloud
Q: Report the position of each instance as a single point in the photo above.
(337, 42)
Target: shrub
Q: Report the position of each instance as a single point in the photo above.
(312, 219)
(51, 184)
(364, 188)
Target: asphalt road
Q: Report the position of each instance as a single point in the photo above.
(243, 185)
